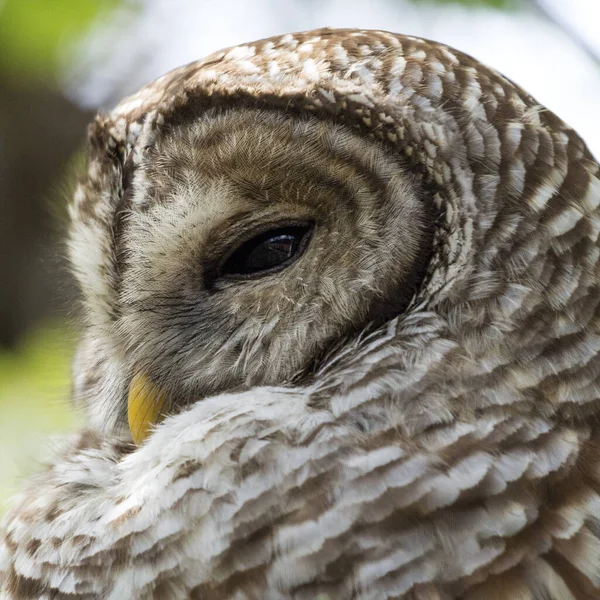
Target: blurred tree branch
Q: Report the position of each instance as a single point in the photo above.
(540, 8)
(499, 4)
(568, 30)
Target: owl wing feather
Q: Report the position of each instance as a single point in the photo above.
(265, 495)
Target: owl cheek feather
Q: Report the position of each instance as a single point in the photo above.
(144, 407)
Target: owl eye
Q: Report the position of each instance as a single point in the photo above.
(268, 252)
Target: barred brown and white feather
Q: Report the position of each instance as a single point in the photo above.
(409, 410)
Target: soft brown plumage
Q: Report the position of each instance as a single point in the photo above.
(408, 409)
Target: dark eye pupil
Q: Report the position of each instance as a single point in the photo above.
(267, 251)
(271, 252)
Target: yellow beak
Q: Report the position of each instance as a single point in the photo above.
(144, 407)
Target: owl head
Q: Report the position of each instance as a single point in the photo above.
(243, 217)
(246, 243)
(397, 250)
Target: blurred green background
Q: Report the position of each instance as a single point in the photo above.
(41, 136)
(60, 60)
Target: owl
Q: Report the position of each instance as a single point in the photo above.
(341, 339)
